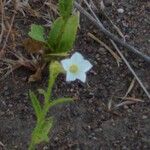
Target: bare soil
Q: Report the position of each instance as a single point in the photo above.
(86, 124)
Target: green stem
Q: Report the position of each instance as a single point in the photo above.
(45, 109)
(32, 146)
(50, 86)
(51, 81)
(55, 69)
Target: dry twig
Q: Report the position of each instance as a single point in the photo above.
(131, 99)
(2, 51)
(132, 71)
(110, 35)
(2, 19)
(118, 59)
(104, 13)
(125, 103)
(113, 38)
(130, 88)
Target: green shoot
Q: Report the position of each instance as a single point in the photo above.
(62, 35)
(44, 123)
(65, 8)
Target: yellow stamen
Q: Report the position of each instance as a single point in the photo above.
(73, 68)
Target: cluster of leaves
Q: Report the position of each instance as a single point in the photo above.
(45, 123)
(63, 31)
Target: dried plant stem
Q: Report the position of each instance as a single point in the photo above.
(131, 69)
(2, 51)
(125, 61)
(130, 87)
(113, 38)
(118, 59)
(110, 35)
(2, 19)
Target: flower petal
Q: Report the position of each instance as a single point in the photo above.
(70, 76)
(66, 64)
(77, 57)
(85, 66)
(82, 76)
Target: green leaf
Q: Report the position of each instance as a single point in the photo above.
(37, 33)
(65, 8)
(69, 34)
(55, 33)
(62, 35)
(36, 105)
(60, 101)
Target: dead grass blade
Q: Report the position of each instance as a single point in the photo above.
(131, 99)
(130, 88)
(110, 35)
(114, 39)
(132, 71)
(124, 103)
(2, 19)
(104, 13)
(52, 6)
(109, 105)
(2, 51)
(12, 65)
(1, 144)
(117, 58)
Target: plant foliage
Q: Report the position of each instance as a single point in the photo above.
(37, 33)
(44, 123)
(63, 31)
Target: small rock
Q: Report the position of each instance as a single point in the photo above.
(6, 93)
(124, 147)
(6, 88)
(97, 55)
(2, 113)
(120, 10)
(95, 62)
(129, 110)
(56, 139)
(126, 107)
(144, 117)
(45, 148)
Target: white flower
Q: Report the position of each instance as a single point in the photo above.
(76, 67)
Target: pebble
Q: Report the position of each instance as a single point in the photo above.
(124, 147)
(120, 10)
(2, 113)
(6, 93)
(5, 88)
(98, 56)
(126, 107)
(95, 62)
(45, 148)
(144, 117)
(129, 110)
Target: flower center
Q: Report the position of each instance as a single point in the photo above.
(73, 68)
